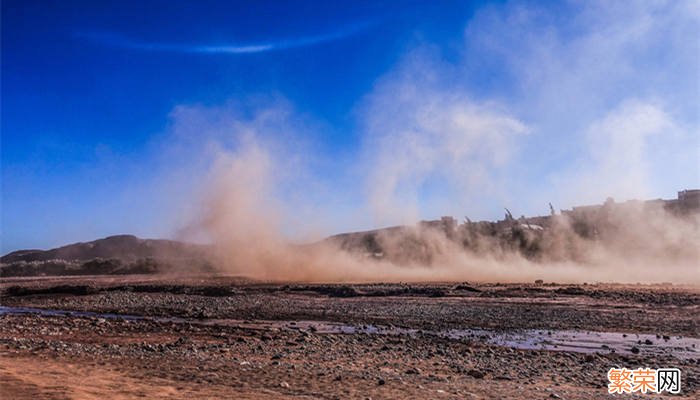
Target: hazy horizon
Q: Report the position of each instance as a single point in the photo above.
(207, 241)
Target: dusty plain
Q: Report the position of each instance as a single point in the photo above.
(144, 336)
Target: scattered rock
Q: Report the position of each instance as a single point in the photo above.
(475, 373)
(413, 371)
(466, 287)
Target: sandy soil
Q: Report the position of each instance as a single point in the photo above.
(220, 337)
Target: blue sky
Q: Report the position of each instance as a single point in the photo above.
(114, 114)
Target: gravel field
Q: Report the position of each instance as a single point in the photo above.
(214, 337)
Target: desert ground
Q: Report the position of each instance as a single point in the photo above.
(146, 336)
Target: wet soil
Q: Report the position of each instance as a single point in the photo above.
(213, 337)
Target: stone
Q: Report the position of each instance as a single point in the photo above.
(475, 373)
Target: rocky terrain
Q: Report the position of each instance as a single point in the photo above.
(204, 337)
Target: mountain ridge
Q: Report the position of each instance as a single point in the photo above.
(123, 247)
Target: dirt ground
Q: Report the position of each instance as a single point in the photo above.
(223, 337)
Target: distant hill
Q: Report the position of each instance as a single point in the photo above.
(568, 235)
(122, 247)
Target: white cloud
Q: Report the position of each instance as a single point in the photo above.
(587, 66)
(117, 40)
(618, 157)
(418, 133)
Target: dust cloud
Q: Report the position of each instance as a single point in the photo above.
(620, 242)
(427, 143)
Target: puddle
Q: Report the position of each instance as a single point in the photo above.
(64, 313)
(527, 339)
(588, 342)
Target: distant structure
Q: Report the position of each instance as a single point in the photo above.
(687, 201)
(586, 219)
(526, 235)
(509, 215)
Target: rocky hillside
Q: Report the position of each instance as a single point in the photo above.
(114, 255)
(121, 247)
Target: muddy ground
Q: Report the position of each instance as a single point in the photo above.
(221, 337)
